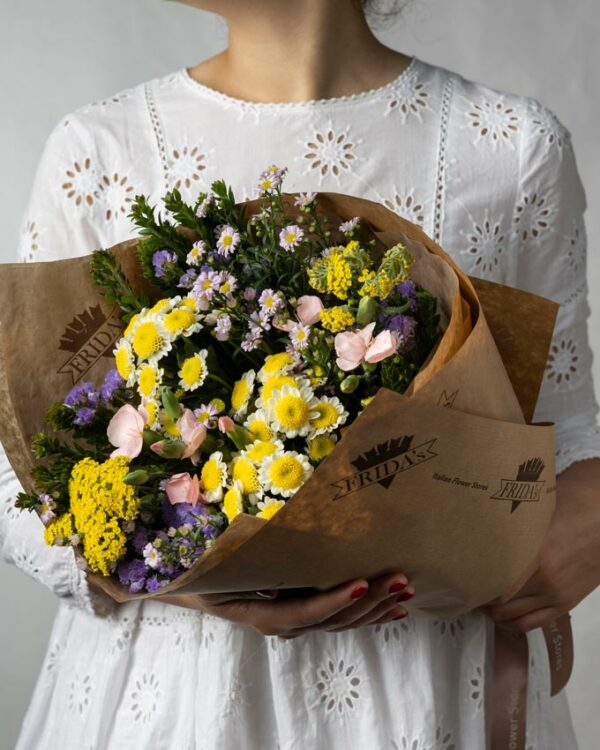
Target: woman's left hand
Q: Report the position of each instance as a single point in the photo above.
(567, 567)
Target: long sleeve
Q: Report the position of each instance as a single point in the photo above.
(55, 225)
(549, 229)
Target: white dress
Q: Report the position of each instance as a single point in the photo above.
(489, 175)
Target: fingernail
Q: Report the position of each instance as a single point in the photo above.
(400, 616)
(268, 594)
(397, 586)
(358, 592)
(405, 596)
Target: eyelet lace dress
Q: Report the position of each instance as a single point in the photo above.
(489, 175)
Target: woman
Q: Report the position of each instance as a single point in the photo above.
(489, 175)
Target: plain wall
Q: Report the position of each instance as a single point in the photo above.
(56, 56)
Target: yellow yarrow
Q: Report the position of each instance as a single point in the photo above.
(339, 276)
(336, 319)
(59, 530)
(104, 545)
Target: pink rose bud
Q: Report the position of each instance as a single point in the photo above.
(226, 424)
(182, 488)
(383, 345)
(309, 309)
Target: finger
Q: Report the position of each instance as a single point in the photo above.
(532, 620)
(223, 598)
(384, 610)
(381, 597)
(515, 608)
(522, 585)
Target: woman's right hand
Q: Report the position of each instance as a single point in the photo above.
(347, 606)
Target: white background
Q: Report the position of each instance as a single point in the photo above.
(56, 56)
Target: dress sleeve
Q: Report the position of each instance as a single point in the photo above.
(49, 231)
(550, 234)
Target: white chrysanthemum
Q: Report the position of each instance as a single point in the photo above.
(245, 471)
(214, 477)
(330, 415)
(261, 449)
(181, 320)
(149, 339)
(193, 371)
(149, 378)
(153, 408)
(125, 361)
(291, 410)
(242, 393)
(275, 364)
(258, 424)
(269, 506)
(284, 473)
(233, 501)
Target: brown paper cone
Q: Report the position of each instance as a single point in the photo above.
(459, 498)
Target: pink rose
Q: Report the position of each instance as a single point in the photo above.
(193, 434)
(309, 309)
(226, 424)
(351, 347)
(383, 345)
(125, 430)
(182, 488)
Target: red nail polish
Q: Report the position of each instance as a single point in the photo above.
(405, 596)
(400, 617)
(398, 586)
(358, 592)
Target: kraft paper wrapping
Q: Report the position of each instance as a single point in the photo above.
(447, 483)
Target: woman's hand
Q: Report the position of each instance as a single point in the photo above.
(567, 567)
(350, 605)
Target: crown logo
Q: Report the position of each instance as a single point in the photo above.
(525, 487)
(529, 471)
(81, 329)
(381, 453)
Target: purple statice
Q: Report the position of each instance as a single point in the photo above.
(81, 395)
(140, 539)
(132, 573)
(84, 416)
(162, 260)
(210, 532)
(186, 280)
(154, 583)
(112, 382)
(182, 513)
(404, 328)
(408, 290)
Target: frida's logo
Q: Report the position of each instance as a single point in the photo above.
(381, 464)
(88, 337)
(525, 488)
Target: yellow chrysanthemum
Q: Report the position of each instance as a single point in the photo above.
(189, 302)
(275, 364)
(152, 408)
(214, 477)
(291, 409)
(193, 371)
(233, 503)
(330, 413)
(258, 425)
(260, 449)
(320, 446)
(284, 473)
(242, 392)
(245, 472)
(179, 321)
(148, 379)
(149, 340)
(133, 320)
(160, 305)
(274, 383)
(59, 530)
(169, 425)
(269, 507)
(336, 319)
(124, 361)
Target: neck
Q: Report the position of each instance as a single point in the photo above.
(301, 50)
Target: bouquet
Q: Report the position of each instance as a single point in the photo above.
(286, 392)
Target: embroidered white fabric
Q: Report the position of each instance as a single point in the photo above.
(492, 177)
